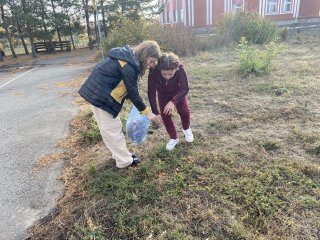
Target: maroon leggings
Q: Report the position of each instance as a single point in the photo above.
(183, 110)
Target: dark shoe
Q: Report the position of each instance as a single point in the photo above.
(135, 161)
(134, 157)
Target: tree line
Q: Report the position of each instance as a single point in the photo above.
(28, 21)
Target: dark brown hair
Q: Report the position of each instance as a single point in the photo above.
(168, 61)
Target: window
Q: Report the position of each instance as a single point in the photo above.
(237, 5)
(168, 17)
(272, 7)
(174, 15)
(286, 6)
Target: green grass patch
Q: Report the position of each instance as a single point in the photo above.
(172, 192)
(251, 173)
(225, 185)
(314, 148)
(270, 145)
(310, 141)
(92, 133)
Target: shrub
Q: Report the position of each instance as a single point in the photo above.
(284, 34)
(256, 60)
(127, 32)
(179, 39)
(253, 27)
(205, 42)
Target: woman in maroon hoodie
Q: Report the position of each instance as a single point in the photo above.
(169, 81)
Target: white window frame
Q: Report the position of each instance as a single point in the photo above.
(284, 3)
(176, 13)
(237, 7)
(271, 3)
(182, 15)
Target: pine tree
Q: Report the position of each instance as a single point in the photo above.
(5, 24)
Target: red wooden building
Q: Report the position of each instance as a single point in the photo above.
(207, 13)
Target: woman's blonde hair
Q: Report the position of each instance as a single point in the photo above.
(168, 61)
(146, 49)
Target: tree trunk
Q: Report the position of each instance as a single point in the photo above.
(7, 32)
(51, 48)
(96, 26)
(43, 17)
(34, 54)
(86, 10)
(57, 27)
(122, 5)
(71, 36)
(103, 19)
(21, 37)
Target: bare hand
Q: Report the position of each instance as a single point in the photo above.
(155, 118)
(151, 116)
(158, 120)
(168, 109)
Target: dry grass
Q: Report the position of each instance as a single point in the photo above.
(252, 172)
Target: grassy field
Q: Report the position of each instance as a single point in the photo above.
(253, 171)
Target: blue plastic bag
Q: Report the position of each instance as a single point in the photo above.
(137, 126)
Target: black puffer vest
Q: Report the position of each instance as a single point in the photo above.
(113, 80)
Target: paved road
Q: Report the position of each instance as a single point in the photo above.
(34, 116)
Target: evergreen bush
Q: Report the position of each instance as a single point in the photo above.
(254, 28)
(256, 60)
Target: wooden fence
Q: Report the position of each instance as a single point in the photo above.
(52, 47)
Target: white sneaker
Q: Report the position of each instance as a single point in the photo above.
(171, 144)
(188, 135)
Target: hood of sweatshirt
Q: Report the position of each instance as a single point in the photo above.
(125, 54)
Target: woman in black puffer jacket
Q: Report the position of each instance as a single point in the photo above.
(110, 83)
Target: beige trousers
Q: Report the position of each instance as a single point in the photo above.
(113, 138)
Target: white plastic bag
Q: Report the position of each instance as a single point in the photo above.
(137, 126)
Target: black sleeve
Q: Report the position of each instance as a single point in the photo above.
(130, 78)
